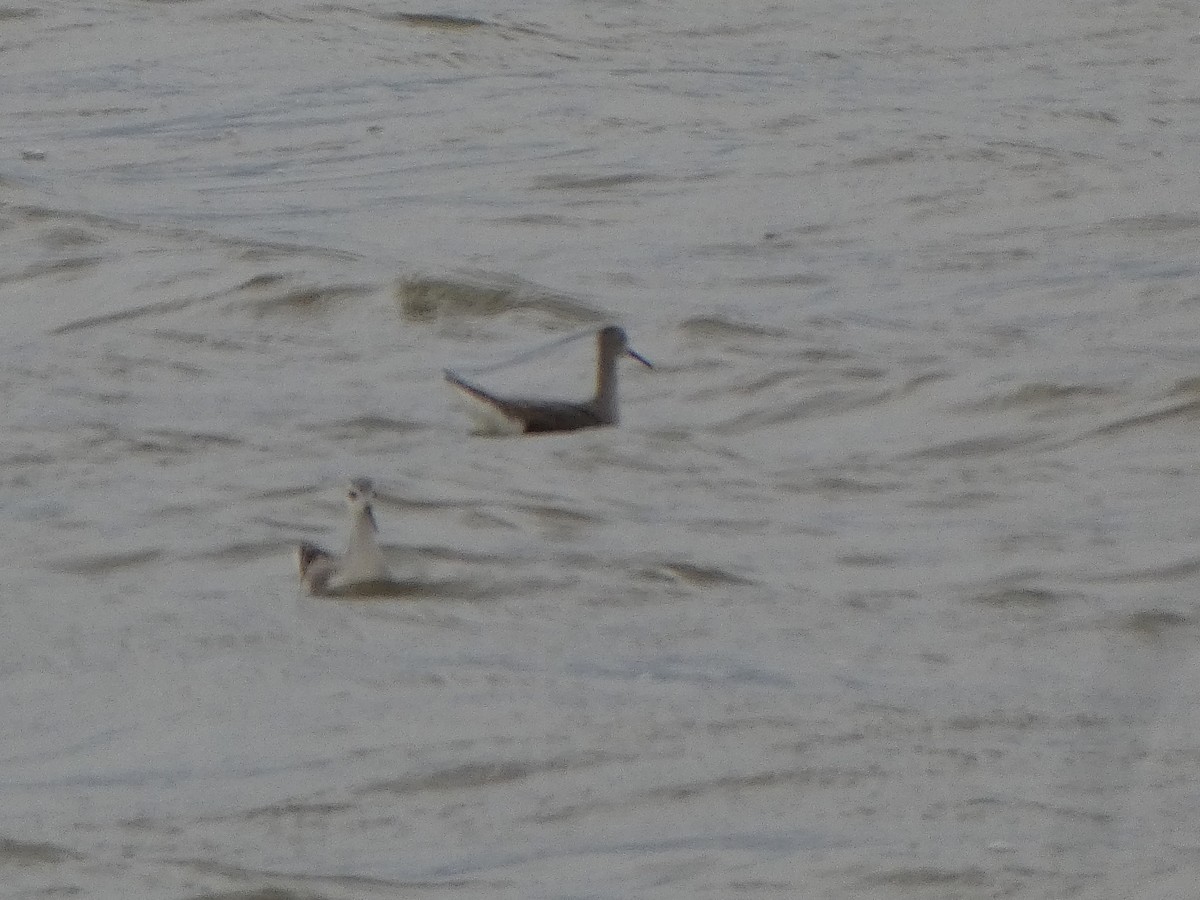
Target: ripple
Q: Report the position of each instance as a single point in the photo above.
(305, 299)
(980, 446)
(69, 266)
(1020, 596)
(366, 425)
(691, 573)
(431, 298)
(63, 236)
(480, 774)
(126, 315)
(100, 564)
(928, 876)
(591, 182)
(1188, 410)
(358, 884)
(293, 808)
(1041, 396)
(1154, 622)
(28, 853)
(718, 328)
(380, 589)
(179, 441)
(443, 21)
(1161, 222)
(826, 403)
(1184, 569)
(272, 892)
(239, 551)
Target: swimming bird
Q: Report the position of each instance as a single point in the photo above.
(519, 415)
(323, 572)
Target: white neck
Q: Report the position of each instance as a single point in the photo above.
(364, 558)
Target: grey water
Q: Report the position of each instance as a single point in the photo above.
(885, 586)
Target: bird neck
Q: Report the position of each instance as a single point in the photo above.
(605, 401)
(362, 533)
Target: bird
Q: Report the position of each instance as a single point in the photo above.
(323, 572)
(522, 415)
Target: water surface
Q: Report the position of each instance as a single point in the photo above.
(883, 588)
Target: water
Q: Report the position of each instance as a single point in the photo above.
(883, 588)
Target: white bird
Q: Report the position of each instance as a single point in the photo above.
(323, 572)
(523, 415)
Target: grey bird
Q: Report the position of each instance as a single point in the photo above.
(521, 415)
(323, 572)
